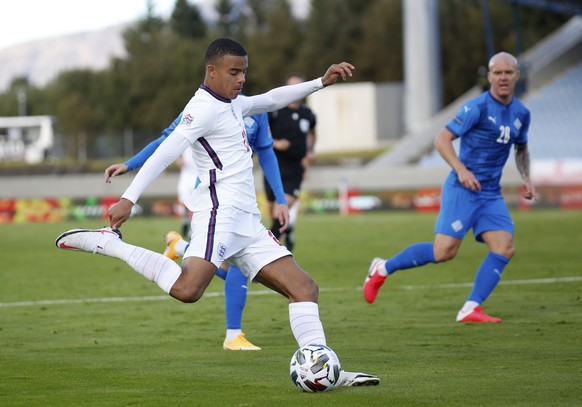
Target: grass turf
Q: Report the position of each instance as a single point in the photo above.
(115, 339)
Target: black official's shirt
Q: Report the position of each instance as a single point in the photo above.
(293, 125)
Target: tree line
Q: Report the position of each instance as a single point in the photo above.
(141, 93)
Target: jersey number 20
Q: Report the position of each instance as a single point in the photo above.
(503, 135)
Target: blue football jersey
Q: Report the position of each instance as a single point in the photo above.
(168, 130)
(258, 131)
(487, 129)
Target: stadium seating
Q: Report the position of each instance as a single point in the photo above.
(556, 128)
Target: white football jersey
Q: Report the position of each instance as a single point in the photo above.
(215, 128)
(188, 175)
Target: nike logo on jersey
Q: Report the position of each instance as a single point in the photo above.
(466, 108)
(492, 119)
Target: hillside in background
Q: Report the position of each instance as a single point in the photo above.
(42, 60)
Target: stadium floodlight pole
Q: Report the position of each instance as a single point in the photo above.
(521, 85)
(422, 63)
(488, 29)
(516, 27)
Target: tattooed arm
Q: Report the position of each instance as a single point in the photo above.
(522, 162)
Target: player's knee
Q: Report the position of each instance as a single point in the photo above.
(307, 290)
(506, 251)
(312, 288)
(445, 248)
(186, 294)
(443, 254)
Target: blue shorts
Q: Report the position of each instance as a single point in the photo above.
(463, 209)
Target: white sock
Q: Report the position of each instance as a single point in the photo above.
(293, 212)
(382, 269)
(180, 247)
(231, 334)
(154, 266)
(305, 323)
(469, 306)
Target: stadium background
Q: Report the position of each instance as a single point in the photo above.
(78, 330)
(396, 120)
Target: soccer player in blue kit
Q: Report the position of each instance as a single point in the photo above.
(235, 288)
(471, 195)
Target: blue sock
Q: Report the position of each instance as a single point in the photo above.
(222, 273)
(487, 277)
(235, 297)
(414, 255)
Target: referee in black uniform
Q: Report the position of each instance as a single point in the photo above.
(293, 130)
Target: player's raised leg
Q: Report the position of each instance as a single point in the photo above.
(185, 285)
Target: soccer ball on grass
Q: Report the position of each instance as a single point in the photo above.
(315, 368)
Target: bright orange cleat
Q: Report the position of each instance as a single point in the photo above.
(374, 280)
(171, 238)
(476, 315)
(240, 343)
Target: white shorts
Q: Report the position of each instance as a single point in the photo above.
(234, 235)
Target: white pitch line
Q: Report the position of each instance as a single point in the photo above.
(269, 292)
(502, 282)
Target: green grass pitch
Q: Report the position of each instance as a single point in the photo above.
(79, 329)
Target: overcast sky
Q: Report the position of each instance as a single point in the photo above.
(28, 20)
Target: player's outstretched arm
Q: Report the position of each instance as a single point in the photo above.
(140, 158)
(113, 171)
(282, 96)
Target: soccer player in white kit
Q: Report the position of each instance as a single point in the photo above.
(226, 221)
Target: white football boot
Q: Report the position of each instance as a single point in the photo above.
(87, 240)
(349, 379)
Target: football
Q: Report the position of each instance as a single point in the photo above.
(315, 368)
